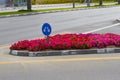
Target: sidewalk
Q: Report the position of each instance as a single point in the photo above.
(39, 7)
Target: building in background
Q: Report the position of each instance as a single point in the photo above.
(2, 3)
(20, 2)
(9, 3)
(12, 3)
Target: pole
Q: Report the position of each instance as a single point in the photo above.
(47, 39)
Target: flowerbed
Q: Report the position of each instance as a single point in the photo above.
(69, 41)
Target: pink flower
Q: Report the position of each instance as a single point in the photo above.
(69, 41)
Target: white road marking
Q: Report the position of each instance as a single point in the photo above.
(61, 60)
(118, 20)
(95, 30)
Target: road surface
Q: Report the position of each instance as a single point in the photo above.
(75, 67)
(28, 27)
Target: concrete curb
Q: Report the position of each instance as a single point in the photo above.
(118, 20)
(65, 52)
(35, 13)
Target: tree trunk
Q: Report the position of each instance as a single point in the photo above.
(29, 4)
(88, 3)
(73, 3)
(100, 2)
(118, 1)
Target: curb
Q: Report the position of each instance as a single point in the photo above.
(118, 20)
(64, 52)
(35, 13)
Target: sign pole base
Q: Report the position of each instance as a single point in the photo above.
(47, 39)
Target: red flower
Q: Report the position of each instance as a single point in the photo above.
(69, 41)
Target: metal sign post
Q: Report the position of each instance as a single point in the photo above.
(46, 29)
(47, 40)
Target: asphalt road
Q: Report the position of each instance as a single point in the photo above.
(75, 67)
(28, 27)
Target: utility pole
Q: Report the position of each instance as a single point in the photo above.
(29, 4)
(73, 3)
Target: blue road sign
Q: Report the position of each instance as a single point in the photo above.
(46, 29)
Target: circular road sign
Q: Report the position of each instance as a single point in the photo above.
(46, 29)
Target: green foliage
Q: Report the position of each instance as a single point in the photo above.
(33, 2)
(105, 0)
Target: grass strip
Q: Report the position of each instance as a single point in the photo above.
(53, 9)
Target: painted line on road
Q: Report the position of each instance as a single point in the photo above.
(95, 30)
(4, 46)
(8, 45)
(99, 29)
(61, 60)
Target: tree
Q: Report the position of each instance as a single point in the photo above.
(88, 3)
(118, 1)
(100, 2)
(34, 2)
(73, 3)
(29, 4)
